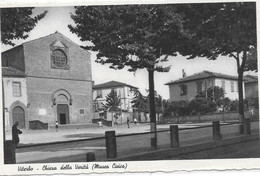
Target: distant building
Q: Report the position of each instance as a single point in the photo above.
(47, 80)
(15, 94)
(188, 87)
(251, 86)
(123, 90)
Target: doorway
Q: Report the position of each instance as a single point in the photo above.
(63, 113)
(19, 116)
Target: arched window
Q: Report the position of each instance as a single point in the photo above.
(59, 58)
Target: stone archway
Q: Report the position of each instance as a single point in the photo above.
(62, 101)
(18, 113)
(19, 116)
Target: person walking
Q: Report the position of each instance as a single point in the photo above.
(15, 133)
(100, 124)
(128, 121)
(135, 121)
(56, 126)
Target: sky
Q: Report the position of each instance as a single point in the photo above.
(58, 19)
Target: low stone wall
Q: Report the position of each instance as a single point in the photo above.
(38, 125)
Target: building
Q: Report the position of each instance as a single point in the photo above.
(47, 80)
(15, 95)
(251, 86)
(123, 90)
(188, 87)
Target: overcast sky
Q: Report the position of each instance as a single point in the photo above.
(58, 18)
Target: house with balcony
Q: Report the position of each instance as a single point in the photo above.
(187, 87)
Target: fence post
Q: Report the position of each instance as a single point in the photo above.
(216, 130)
(174, 134)
(247, 128)
(111, 144)
(90, 157)
(9, 152)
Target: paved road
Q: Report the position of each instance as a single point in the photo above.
(127, 145)
(249, 149)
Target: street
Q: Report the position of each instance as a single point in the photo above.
(126, 144)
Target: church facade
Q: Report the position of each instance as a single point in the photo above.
(55, 82)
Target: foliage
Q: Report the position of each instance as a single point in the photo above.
(132, 36)
(214, 94)
(121, 32)
(251, 102)
(199, 105)
(234, 105)
(139, 101)
(227, 29)
(220, 28)
(251, 64)
(159, 104)
(16, 23)
(176, 108)
(112, 101)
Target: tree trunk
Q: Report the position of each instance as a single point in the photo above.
(240, 95)
(3, 105)
(152, 110)
(139, 115)
(240, 71)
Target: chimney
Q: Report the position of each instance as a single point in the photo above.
(183, 73)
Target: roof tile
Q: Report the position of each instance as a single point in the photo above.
(111, 84)
(202, 75)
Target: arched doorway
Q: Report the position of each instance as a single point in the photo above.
(63, 113)
(19, 116)
(62, 100)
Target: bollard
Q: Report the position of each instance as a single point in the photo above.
(90, 157)
(174, 134)
(111, 144)
(216, 130)
(241, 129)
(247, 128)
(9, 152)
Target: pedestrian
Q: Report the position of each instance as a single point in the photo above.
(135, 121)
(128, 121)
(56, 126)
(15, 133)
(100, 124)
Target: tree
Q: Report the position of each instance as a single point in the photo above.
(139, 102)
(112, 101)
(227, 29)
(16, 23)
(214, 94)
(251, 64)
(159, 105)
(135, 36)
(112, 104)
(198, 105)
